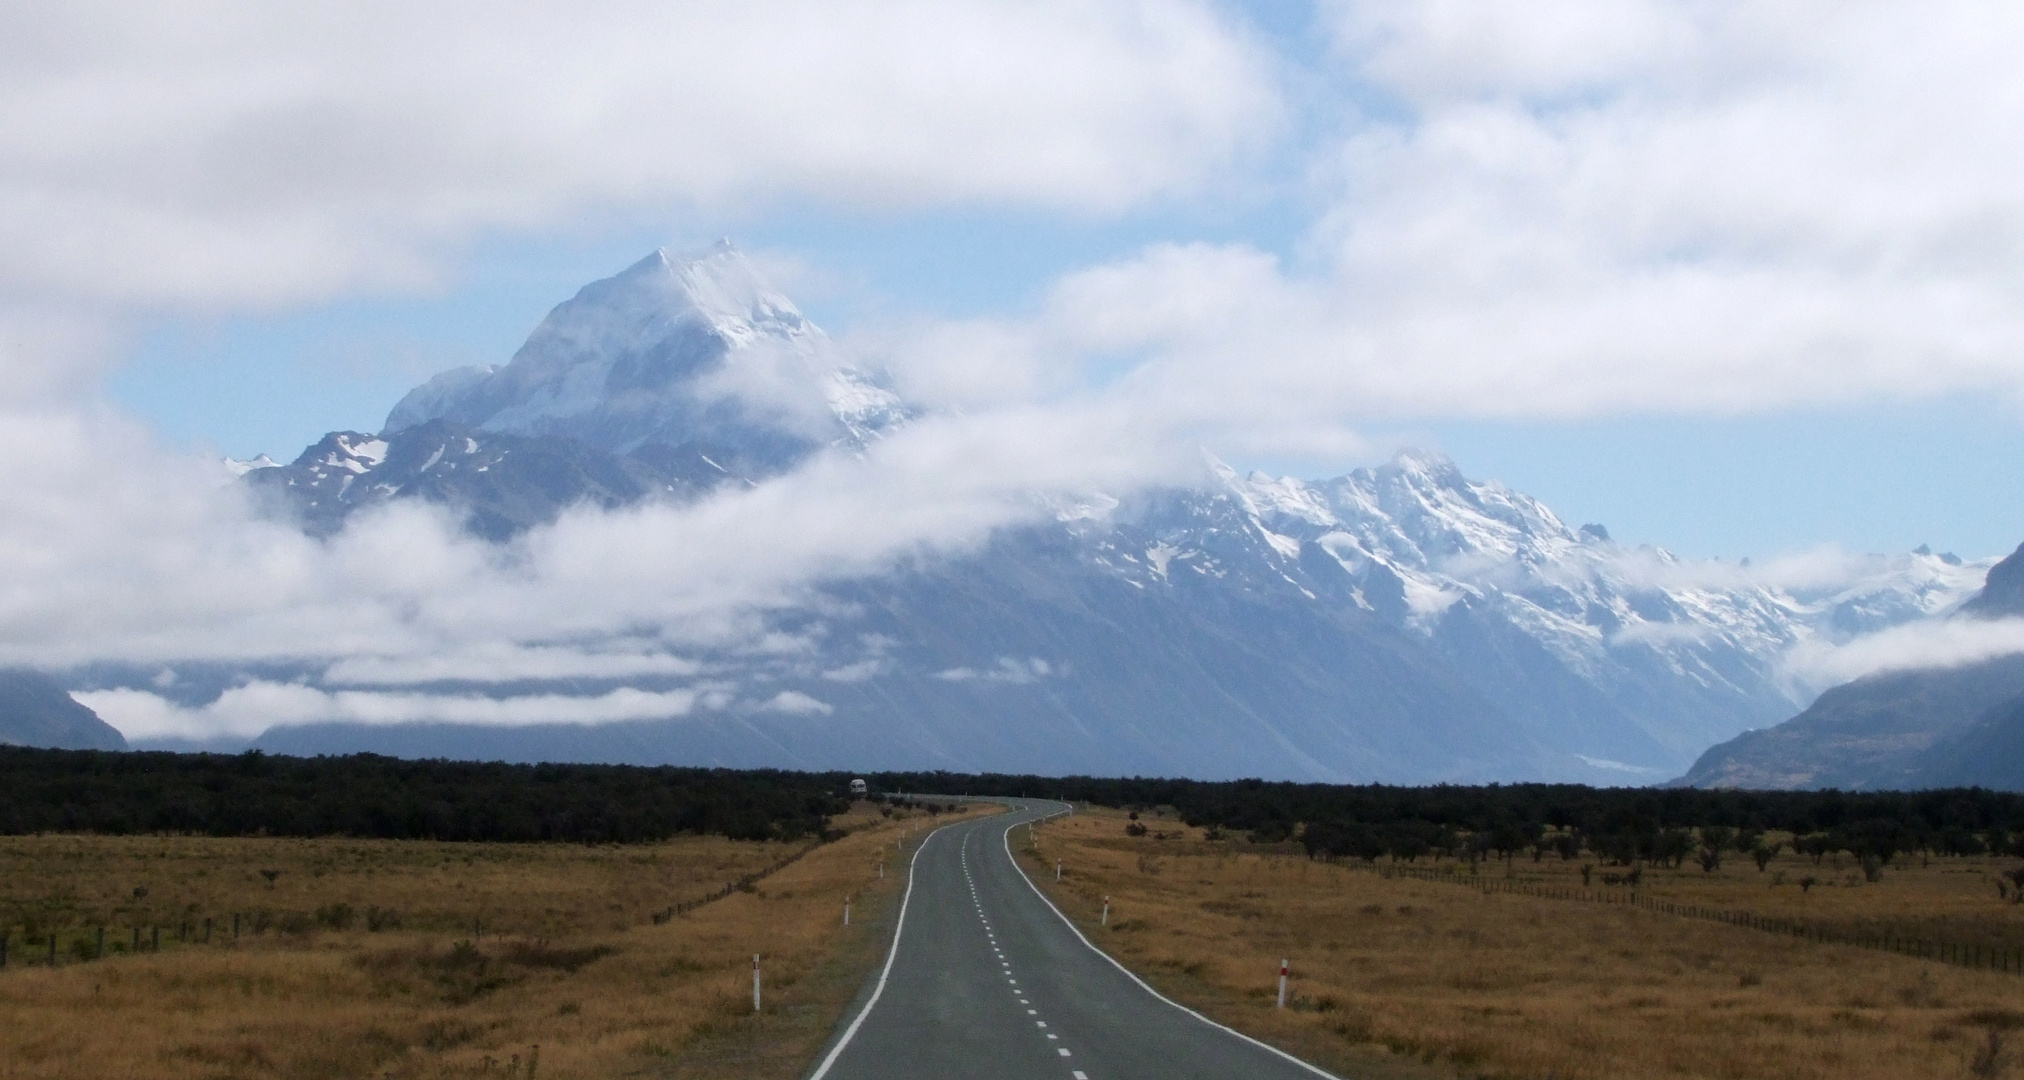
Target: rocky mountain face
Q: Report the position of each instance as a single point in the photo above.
(499, 485)
(35, 711)
(1400, 623)
(1958, 726)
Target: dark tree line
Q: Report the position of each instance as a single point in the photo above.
(1624, 825)
(366, 795)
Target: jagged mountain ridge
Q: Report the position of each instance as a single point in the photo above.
(1397, 623)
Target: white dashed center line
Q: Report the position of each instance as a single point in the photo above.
(1005, 965)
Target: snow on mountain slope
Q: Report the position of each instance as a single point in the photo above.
(1631, 658)
(674, 349)
(236, 468)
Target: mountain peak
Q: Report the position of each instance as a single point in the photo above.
(1429, 463)
(1426, 469)
(680, 347)
(716, 282)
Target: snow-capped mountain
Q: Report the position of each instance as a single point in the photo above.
(1683, 654)
(1398, 623)
(674, 350)
(666, 380)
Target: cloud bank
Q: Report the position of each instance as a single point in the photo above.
(251, 709)
(1584, 210)
(228, 154)
(1937, 644)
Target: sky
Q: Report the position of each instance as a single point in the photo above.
(1736, 280)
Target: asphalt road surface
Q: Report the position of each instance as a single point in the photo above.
(986, 980)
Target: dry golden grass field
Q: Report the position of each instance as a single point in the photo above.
(1405, 978)
(368, 958)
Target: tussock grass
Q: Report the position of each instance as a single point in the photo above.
(416, 959)
(1392, 975)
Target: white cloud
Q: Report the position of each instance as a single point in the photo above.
(1006, 670)
(1661, 634)
(237, 153)
(1582, 210)
(859, 671)
(1939, 643)
(120, 551)
(498, 661)
(251, 709)
(796, 703)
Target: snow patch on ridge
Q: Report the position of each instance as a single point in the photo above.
(236, 468)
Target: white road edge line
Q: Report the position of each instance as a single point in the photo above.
(900, 928)
(1077, 931)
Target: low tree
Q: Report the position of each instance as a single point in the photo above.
(1408, 845)
(1814, 844)
(1762, 853)
(1717, 837)
(1671, 847)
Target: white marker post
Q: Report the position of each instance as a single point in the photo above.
(846, 911)
(1106, 912)
(755, 982)
(1057, 869)
(1282, 982)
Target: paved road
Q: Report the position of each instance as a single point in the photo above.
(986, 980)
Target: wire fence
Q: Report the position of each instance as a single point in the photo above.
(743, 884)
